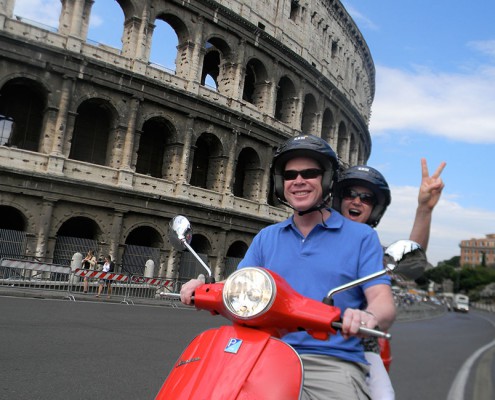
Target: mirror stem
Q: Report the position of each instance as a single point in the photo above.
(333, 292)
(198, 258)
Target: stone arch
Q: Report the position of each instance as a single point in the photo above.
(142, 243)
(176, 46)
(93, 131)
(153, 154)
(207, 168)
(216, 52)
(248, 175)
(120, 11)
(235, 253)
(256, 86)
(327, 127)
(309, 120)
(285, 105)
(12, 218)
(13, 229)
(23, 105)
(77, 234)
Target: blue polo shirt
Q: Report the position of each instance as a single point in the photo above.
(330, 256)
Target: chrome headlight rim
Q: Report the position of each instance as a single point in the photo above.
(244, 271)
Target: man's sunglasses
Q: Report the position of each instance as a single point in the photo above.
(366, 198)
(311, 173)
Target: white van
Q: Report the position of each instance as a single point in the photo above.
(460, 303)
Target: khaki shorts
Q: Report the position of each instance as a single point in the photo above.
(332, 378)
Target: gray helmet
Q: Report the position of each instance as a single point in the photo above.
(305, 146)
(362, 175)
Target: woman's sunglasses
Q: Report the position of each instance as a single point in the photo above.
(311, 173)
(366, 198)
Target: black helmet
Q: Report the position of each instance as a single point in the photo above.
(362, 175)
(305, 146)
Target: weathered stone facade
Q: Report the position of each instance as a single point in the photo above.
(98, 143)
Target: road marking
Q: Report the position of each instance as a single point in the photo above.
(457, 389)
(482, 386)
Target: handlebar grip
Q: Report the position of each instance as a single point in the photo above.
(367, 331)
(177, 296)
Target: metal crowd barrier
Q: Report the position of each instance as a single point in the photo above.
(126, 287)
(140, 287)
(26, 274)
(117, 282)
(37, 275)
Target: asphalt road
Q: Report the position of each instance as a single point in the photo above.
(428, 355)
(57, 349)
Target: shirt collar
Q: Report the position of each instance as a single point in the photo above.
(335, 221)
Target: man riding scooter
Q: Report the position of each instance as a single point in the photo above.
(312, 250)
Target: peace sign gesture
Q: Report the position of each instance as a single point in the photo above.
(431, 186)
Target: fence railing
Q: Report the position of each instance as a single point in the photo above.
(128, 288)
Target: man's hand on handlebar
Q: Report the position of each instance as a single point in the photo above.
(188, 288)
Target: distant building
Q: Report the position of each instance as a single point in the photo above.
(478, 251)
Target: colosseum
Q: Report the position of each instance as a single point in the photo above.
(100, 148)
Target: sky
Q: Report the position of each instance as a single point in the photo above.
(434, 98)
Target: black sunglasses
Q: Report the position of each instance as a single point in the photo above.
(310, 173)
(366, 198)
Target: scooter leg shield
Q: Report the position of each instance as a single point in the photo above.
(234, 362)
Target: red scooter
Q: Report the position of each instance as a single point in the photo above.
(247, 360)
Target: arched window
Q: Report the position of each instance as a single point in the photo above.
(22, 105)
(151, 150)
(309, 120)
(207, 166)
(248, 175)
(91, 132)
(285, 104)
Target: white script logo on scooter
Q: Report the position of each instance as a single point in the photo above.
(233, 346)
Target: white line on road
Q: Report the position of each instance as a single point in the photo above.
(457, 389)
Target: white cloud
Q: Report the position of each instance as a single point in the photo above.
(484, 46)
(44, 11)
(95, 21)
(451, 223)
(441, 104)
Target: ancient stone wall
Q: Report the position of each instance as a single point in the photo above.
(99, 143)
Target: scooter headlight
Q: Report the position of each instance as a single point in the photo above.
(249, 292)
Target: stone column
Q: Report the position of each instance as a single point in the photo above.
(125, 171)
(115, 233)
(6, 11)
(44, 227)
(265, 179)
(298, 107)
(85, 20)
(197, 56)
(183, 176)
(228, 196)
(76, 39)
(218, 261)
(62, 115)
(237, 71)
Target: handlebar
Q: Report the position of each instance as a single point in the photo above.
(366, 331)
(335, 325)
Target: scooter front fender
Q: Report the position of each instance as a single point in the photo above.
(234, 362)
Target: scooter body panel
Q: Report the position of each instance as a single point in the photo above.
(234, 362)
